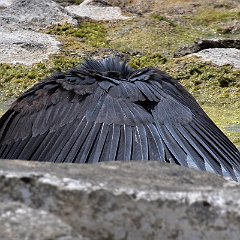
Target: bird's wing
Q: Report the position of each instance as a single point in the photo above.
(188, 135)
(79, 118)
(74, 118)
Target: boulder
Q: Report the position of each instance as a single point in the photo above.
(17, 221)
(96, 11)
(33, 14)
(220, 56)
(26, 47)
(117, 200)
(218, 51)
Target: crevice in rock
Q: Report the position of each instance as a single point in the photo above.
(206, 44)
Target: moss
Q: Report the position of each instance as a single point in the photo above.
(149, 36)
(163, 18)
(16, 79)
(211, 15)
(91, 33)
(62, 63)
(150, 60)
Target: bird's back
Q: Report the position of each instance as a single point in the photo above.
(106, 111)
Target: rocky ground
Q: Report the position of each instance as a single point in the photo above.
(117, 201)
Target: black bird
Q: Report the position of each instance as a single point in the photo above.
(105, 110)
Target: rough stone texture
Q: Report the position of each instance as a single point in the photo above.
(137, 200)
(221, 56)
(17, 221)
(206, 44)
(33, 14)
(96, 12)
(26, 47)
(5, 3)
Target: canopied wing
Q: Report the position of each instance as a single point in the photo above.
(103, 112)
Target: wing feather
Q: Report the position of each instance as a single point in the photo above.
(104, 110)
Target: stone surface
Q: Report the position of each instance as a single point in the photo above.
(17, 221)
(96, 12)
(25, 47)
(5, 3)
(117, 200)
(207, 44)
(218, 51)
(220, 56)
(33, 14)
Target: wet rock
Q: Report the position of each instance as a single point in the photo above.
(25, 47)
(135, 200)
(97, 11)
(34, 14)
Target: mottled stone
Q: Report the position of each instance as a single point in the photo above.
(17, 221)
(220, 56)
(33, 14)
(135, 200)
(26, 47)
(96, 12)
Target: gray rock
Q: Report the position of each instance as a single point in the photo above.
(25, 47)
(207, 44)
(135, 200)
(34, 14)
(220, 56)
(17, 221)
(5, 3)
(96, 12)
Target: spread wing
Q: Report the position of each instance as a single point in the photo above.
(87, 116)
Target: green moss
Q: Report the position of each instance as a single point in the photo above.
(210, 15)
(16, 79)
(62, 63)
(150, 60)
(164, 19)
(148, 37)
(91, 33)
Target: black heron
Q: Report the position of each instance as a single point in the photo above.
(107, 111)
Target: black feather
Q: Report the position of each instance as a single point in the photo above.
(105, 110)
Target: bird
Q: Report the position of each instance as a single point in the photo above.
(105, 110)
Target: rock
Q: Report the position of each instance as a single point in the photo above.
(65, 3)
(25, 47)
(233, 28)
(17, 221)
(206, 44)
(96, 12)
(221, 56)
(34, 14)
(117, 200)
(5, 3)
(219, 51)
